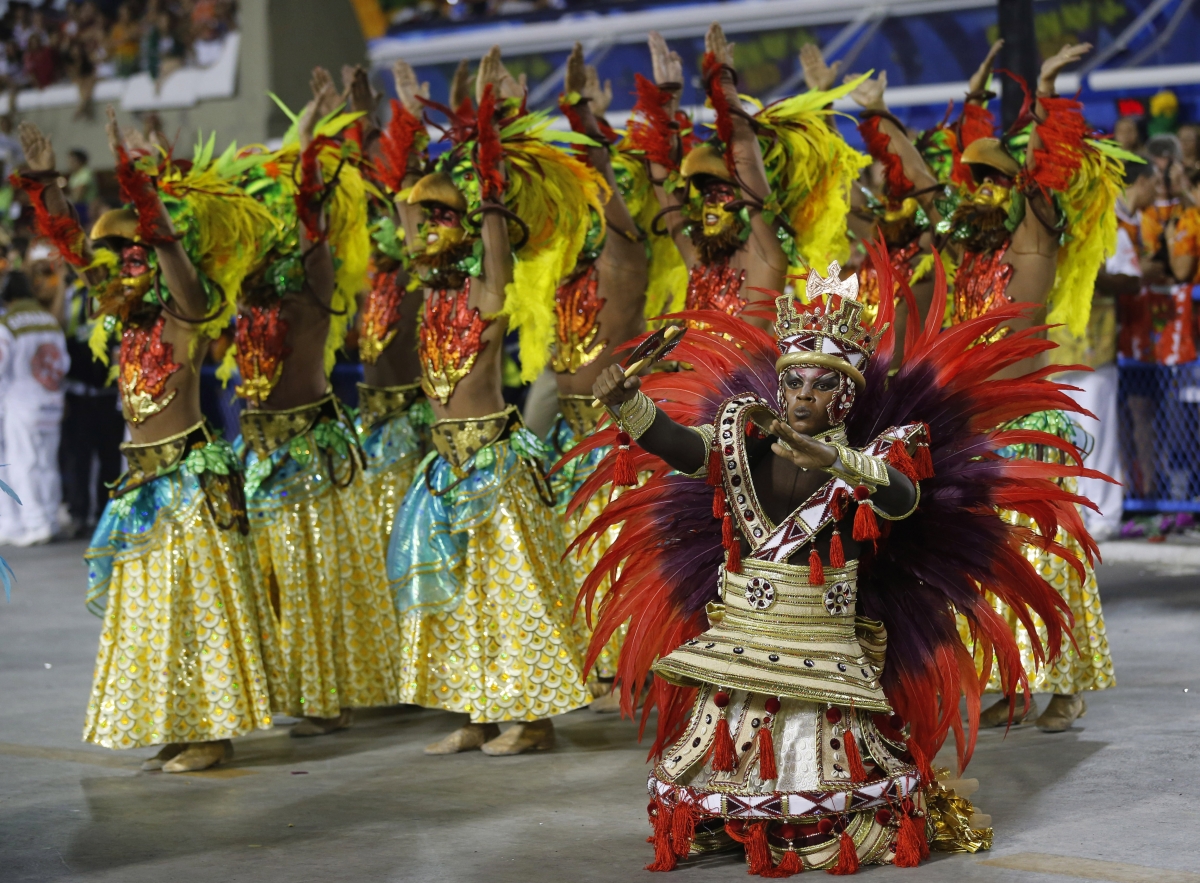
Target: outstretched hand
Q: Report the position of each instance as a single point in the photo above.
(493, 72)
(665, 63)
(869, 93)
(409, 89)
(357, 93)
(39, 152)
(715, 42)
(801, 450)
(113, 131)
(325, 95)
(575, 79)
(818, 75)
(979, 79)
(1053, 65)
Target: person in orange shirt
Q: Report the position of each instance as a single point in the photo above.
(1183, 236)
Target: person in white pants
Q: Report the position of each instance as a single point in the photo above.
(1098, 387)
(33, 360)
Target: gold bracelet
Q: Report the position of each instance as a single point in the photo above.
(859, 468)
(637, 415)
(706, 431)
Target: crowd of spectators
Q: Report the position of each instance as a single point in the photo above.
(88, 40)
(407, 13)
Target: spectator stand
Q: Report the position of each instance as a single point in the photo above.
(1159, 407)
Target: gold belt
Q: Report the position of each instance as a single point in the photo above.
(267, 431)
(579, 414)
(458, 440)
(378, 403)
(148, 461)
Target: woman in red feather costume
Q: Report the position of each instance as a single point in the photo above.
(793, 568)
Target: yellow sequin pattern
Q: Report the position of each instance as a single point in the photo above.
(1091, 668)
(508, 649)
(317, 551)
(179, 657)
(582, 561)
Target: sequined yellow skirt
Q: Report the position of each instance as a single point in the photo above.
(1089, 668)
(394, 433)
(485, 598)
(179, 651)
(582, 561)
(317, 551)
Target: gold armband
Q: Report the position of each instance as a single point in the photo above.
(637, 414)
(858, 468)
(706, 431)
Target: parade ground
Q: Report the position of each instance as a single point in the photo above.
(1114, 799)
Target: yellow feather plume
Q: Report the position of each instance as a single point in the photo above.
(1090, 208)
(811, 169)
(555, 195)
(666, 291)
(98, 335)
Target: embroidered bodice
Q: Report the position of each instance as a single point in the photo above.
(577, 308)
(716, 287)
(145, 365)
(451, 339)
(380, 315)
(261, 340)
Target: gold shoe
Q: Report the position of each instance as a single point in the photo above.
(997, 715)
(609, 703)
(323, 726)
(200, 756)
(1061, 713)
(467, 738)
(165, 753)
(520, 738)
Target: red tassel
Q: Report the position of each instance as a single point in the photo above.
(724, 753)
(623, 472)
(664, 855)
(901, 461)
(816, 573)
(837, 555)
(719, 503)
(733, 560)
(714, 471)
(788, 866)
(733, 546)
(754, 840)
(766, 754)
(924, 770)
(911, 842)
(847, 862)
(865, 525)
(841, 499)
(683, 829)
(854, 763)
(924, 461)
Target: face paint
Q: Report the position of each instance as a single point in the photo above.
(808, 394)
(989, 194)
(716, 219)
(136, 273)
(442, 230)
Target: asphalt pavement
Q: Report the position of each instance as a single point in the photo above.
(1112, 799)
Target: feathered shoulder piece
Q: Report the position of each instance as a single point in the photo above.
(939, 562)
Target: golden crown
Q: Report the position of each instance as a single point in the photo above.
(828, 332)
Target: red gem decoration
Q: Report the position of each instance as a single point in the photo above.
(825, 826)
(833, 715)
(772, 705)
(721, 699)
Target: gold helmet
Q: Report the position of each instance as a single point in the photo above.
(704, 159)
(118, 223)
(438, 187)
(990, 152)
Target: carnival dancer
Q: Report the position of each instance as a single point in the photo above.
(797, 577)
(393, 414)
(597, 310)
(316, 542)
(476, 553)
(33, 362)
(767, 192)
(168, 567)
